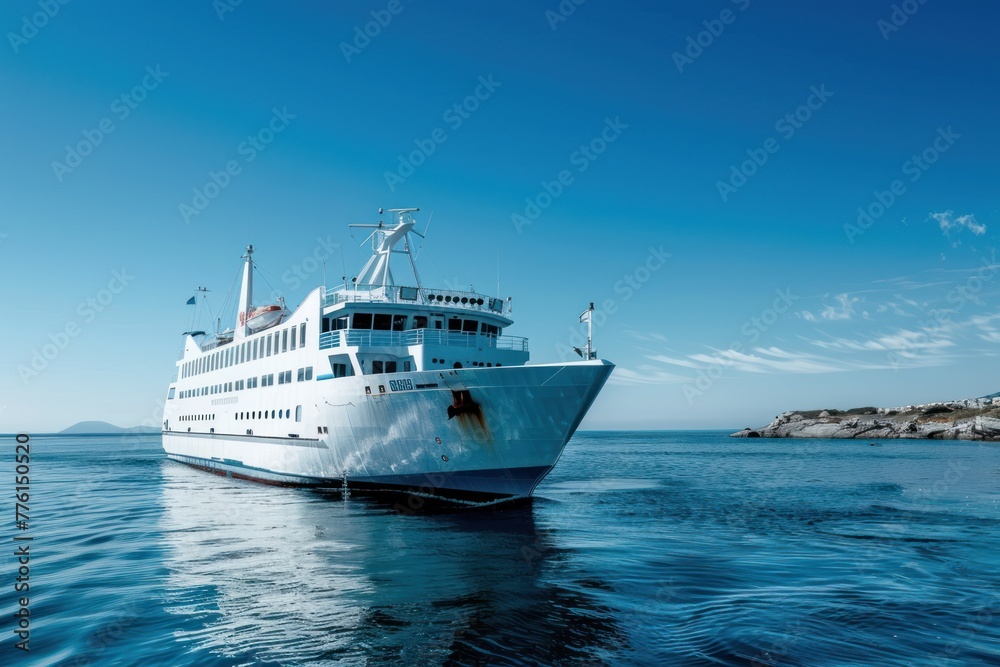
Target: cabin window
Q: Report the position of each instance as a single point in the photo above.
(293, 337)
(302, 334)
(437, 324)
(298, 413)
(269, 345)
(455, 325)
(362, 321)
(406, 366)
(309, 373)
(301, 375)
(419, 321)
(470, 326)
(382, 322)
(377, 366)
(281, 378)
(340, 323)
(170, 393)
(284, 340)
(399, 322)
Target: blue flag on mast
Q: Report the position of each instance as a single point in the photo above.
(191, 301)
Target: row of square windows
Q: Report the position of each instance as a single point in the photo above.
(252, 414)
(273, 343)
(284, 377)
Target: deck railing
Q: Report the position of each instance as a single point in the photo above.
(426, 296)
(371, 338)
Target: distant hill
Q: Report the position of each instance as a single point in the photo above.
(105, 428)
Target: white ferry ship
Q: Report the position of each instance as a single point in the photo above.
(377, 386)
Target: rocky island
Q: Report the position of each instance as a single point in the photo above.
(967, 419)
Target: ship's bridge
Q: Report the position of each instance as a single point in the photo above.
(387, 325)
(404, 317)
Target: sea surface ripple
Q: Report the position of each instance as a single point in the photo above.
(641, 548)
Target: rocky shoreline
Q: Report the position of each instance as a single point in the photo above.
(968, 419)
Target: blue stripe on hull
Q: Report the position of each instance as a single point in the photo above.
(497, 483)
(464, 485)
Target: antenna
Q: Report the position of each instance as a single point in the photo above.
(498, 274)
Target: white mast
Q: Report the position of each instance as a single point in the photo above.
(588, 317)
(376, 272)
(246, 297)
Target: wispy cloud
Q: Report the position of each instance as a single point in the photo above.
(646, 336)
(949, 223)
(645, 374)
(759, 360)
(843, 309)
(901, 340)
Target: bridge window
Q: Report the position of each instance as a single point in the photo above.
(362, 321)
(419, 321)
(470, 326)
(399, 322)
(390, 367)
(382, 322)
(377, 366)
(455, 324)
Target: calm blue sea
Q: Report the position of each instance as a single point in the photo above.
(667, 548)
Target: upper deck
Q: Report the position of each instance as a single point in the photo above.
(438, 298)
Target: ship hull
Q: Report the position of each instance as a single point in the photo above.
(478, 434)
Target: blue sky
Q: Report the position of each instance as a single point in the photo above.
(696, 169)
